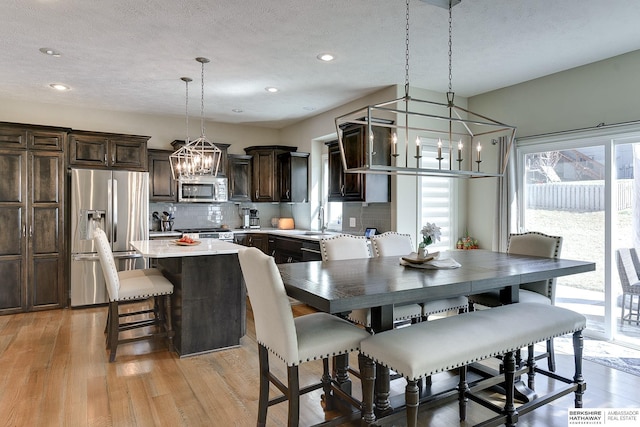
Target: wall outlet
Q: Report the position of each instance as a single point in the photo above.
(352, 222)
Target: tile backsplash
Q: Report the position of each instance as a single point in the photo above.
(192, 215)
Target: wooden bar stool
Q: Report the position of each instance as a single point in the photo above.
(133, 285)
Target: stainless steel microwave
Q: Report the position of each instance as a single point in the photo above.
(202, 189)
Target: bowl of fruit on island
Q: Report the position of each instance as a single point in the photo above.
(186, 241)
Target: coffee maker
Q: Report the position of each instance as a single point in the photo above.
(245, 215)
(254, 220)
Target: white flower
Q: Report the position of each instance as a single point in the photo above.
(430, 233)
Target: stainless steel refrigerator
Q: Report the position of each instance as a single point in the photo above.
(118, 203)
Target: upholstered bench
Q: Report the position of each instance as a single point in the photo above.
(428, 348)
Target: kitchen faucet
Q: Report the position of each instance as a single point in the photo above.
(323, 226)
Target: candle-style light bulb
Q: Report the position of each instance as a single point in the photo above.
(394, 145)
(417, 146)
(460, 150)
(439, 149)
(479, 148)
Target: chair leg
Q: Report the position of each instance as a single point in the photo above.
(368, 378)
(578, 345)
(624, 298)
(168, 321)
(114, 329)
(294, 396)
(412, 400)
(326, 385)
(510, 410)
(463, 389)
(551, 361)
(263, 399)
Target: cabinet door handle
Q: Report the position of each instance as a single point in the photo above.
(30, 232)
(105, 158)
(113, 159)
(256, 194)
(288, 192)
(342, 190)
(24, 231)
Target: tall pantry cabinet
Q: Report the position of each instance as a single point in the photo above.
(32, 248)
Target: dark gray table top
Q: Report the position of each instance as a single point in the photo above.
(341, 286)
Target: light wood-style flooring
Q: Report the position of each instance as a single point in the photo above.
(54, 371)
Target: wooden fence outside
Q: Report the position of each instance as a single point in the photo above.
(584, 196)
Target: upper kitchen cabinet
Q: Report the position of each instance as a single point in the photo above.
(358, 187)
(293, 171)
(33, 137)
(222, 167)
(162, 186)
(239, 170)
(108, 151)
(264, 173)
(32, 250)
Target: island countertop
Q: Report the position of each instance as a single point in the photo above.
(169, 249)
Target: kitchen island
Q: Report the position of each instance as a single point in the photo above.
(208, 304)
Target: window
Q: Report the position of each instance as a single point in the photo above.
(582, 186)
(333, 210)
(437, 199)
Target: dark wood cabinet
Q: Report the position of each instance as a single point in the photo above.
(254, 240)
(162, 186)
(239, 171)
(264, 171)
(288, 250)
(357, 187)
(108, 151)
(293, 172)
(33, 137)
(32, 250)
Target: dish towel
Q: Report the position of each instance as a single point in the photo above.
(438, 263)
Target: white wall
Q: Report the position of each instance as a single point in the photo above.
(162, 129)
(582, 97)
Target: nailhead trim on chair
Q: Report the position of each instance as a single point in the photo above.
(318, 357)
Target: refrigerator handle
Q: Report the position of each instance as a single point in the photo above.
(114, 211)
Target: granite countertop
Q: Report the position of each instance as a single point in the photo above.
(312, 235)
(164, 234)
(169, 249)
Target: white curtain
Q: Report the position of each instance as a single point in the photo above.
(636, 195)
(507, 197)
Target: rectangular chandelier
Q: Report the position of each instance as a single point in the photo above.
(423, 138)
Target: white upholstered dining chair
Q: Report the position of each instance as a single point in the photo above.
(345, 247)
(535, 244)
(392, 243)
(292, 340)
(628, 267)
(132, 285)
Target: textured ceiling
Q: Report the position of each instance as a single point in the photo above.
(129, 55)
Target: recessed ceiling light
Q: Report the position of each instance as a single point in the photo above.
(326, 57)
(59, 86)
(271, 89)
(309, 108)
(51, 52)
(238, 110)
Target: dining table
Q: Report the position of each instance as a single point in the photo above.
(379, 283)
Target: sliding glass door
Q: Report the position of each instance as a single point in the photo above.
(581, 186)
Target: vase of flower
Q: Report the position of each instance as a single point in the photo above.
(422, 251)
(430, 234)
